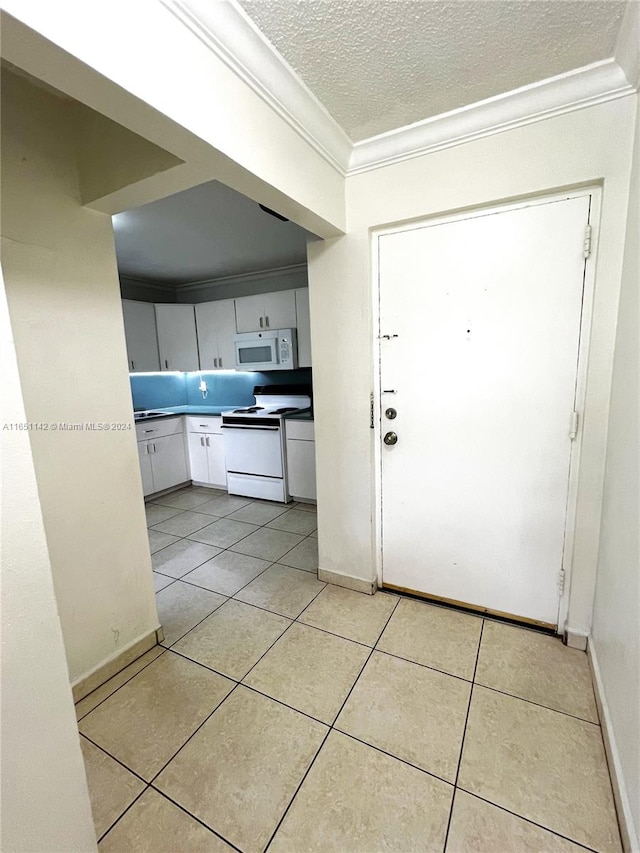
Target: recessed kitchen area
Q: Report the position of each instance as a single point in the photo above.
(216, 318)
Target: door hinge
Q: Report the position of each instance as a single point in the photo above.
(586, 246)
(372, 424)
(573, 426)
(561, 581)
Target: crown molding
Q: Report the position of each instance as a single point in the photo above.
(258, 275)
(584, 87)
(146, 282)
(225, 28)
(227, 31)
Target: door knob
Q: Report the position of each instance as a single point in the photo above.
(390, 438)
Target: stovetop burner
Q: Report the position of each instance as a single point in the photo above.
(284, 411)
(250, 410)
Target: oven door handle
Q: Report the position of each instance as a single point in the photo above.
(234, 426)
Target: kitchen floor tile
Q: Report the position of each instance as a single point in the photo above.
(228, 572)
(283, 590)
(267, 544)
(350, 614)
(294, 521)
(145, 722)
(223, 532)
(156, 513)
(112, 788)
(543, 765)
(100, 693)
(233, 638)
(434, 636)
(303, 556)
(258, 512)
(479, 827)
(538, 668)
(181, 557)
(358, 800)
(159, 540)
(183, 524)
(414, 713)
(223, 505)
(183, 500)
(181, 606)
(160, 581)
(305, 507)
(155, 825)
(240, 770)
(310, 670)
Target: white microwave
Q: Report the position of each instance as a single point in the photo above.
(275, 349)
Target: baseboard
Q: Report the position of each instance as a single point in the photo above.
(576, 639)
(84, 685)
(620, 794)
(347, 581)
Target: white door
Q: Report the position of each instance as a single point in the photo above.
(487, 313)
(140, 333)
(177, 340)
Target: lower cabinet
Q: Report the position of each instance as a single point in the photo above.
(301, 459)
(162, 455)
(206, 451)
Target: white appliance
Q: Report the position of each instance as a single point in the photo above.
(273, 349)
(254, 443)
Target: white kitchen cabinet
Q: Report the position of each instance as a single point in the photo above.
(216, 325)
(301, 459)
(266, 311)
(141, 336)
(177, 340)
(303, 324)
(206, 451)
(162, 455)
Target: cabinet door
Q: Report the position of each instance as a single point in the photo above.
(177, 340)
(304, 327)
(250, 313)
(226, 327)
(168, 461)
(198, 457)
(217, 467)
(301, 465)
(141, 336)
(207, 335)
(145, 467)
(280, 310)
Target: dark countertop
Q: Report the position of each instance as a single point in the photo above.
(210, 411)
(300, 416)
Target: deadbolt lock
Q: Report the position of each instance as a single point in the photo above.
(390, 413)
(390, 438)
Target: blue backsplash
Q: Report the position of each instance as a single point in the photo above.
(157, 390)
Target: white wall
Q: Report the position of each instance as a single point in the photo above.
(616, 615)
(583, 147)
(64, 302)
(45, 802)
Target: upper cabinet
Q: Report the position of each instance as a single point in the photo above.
(177, 341)
(216, 324)
(304, 327)
(266, 311)
(140, 333)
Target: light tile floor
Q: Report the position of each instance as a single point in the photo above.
(286, 714)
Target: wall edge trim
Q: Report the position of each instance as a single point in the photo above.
(348, 581)
(628, 831)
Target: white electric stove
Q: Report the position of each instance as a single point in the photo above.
(254, 441)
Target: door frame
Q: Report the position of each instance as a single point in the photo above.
(488, 209)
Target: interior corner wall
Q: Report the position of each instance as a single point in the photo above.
(145, 291)
(45, 802)
(615, 641)
(587, 146)
(64, 303)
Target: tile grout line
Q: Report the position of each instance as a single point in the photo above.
(193, 817)
(464, 734)
(119, 818)
(330, 729)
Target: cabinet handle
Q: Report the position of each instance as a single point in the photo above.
(215, 362)
(207, 440)
(220, 360)
(262, 322)
(148, 430)
(267, 321)
(166, 364)
(133, 365)
(201, 441)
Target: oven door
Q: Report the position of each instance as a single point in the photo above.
(257, 354)
(253, 450)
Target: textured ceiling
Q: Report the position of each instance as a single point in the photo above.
(203, 233)
(377, 65)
